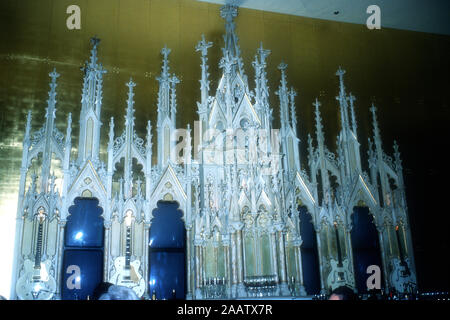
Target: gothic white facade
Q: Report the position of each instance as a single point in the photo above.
(239, 192)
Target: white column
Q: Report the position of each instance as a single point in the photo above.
(300, 288)
(107, 254)
(145, 249)
(59, 258)
(273, 247)
(198, 269)
(188, 263)
(319, 253)
(283, 275)
(240, 263)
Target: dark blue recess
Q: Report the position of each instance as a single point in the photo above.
(84, 226)
(310, 258)
(90, 263)
(366, 247)
(83, 247)
(167, 256)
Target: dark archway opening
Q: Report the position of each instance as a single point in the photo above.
(366, 247)
(167, 252)
(310, 257)
(82, 268)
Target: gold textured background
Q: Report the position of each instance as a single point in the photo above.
(405, 73)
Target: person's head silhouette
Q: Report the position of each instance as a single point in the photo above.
(343, 293)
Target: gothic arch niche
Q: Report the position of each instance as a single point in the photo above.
(257, 244)
(365, 245)
(137, 175)
(167, 251)
(309, 252)
(215, 271)
(82, 267)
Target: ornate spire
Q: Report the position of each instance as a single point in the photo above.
(229, 12)
(226, 63)
(50, 111)
(203, 46)
(342, 100)
(371, 153)
(164, 86)
(376, 130)
(352, 98)
(173, 97)
(129, 118)
(319, 126)
(283, 95)
(111, 133)
(261, 90)
(149, 136)
(93, 73)
(397, 159)
(310, 150)
(27, 128)
(93, 61)
(292, 95)
(283, 83)
(165, 67)
(188, 149)
(69, 129)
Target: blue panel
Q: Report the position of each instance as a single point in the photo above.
(366, 249)
(310, 258)
(364, 232)
(307, 229)
(167, 272)
(167, 252)
(167, 230)
(84, 225)
(311, 276)
(90, 263)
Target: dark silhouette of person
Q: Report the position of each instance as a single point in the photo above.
(343, 293)
(101, 289)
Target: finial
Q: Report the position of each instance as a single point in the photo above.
(54, 75)
(373, 109)
(165, 68)
(174, 80)
(282, 66)
(263, 53)
(228, 12)
(203, 46)
(317, 104)
(340, 72)
(95, 41)
(131, 84)
(165, 52)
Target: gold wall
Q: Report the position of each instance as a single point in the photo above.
(404, 72)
